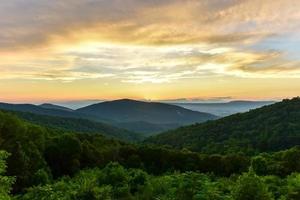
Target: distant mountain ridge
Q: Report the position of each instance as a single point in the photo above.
(39, 110)
(145, 117)
(227, 108)
(53, 106)
(127, 110)
(270, 128)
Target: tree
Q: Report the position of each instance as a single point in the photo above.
(5, 181)
(250, 187)
(259, 165)
(293, 187)
(63, 155)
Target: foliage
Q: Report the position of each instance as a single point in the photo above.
(54, 164)
(39, 154)
(80, 125)
(293, 187)
(116, 182)
(267, 129)
(5, 181)
(280, 163)
(251, 187)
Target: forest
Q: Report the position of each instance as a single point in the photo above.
(266, 129)
(44, 163)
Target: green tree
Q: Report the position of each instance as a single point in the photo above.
(5, 181)
(250, 187)
(293, 187)
(259, 165)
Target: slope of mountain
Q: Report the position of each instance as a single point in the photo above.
(38, 110)
(269, 128)
(225, 109)
(79, 126)
(147, 118)
(41, 158)
(126, 110)
(146, 128)
(47, 109)
(55, 107)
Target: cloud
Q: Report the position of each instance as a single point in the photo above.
(153, 64)
(28, 24)
(145, 41)
(198, 100)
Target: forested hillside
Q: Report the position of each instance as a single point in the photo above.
(44, 163)
(270, 128)
(54, 107)
(44, 109)
(136, 116)
(132, 111)
(80, 125)
(148, 118)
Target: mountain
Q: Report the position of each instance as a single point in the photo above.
(146, 128)
(76, 104)
(270, 128)
(148, 118)
(42, 110)
(55, 107)
(49, 110)
(66, 119)
(126, 110)
(79, 126)
(225, 109)
(44, 163)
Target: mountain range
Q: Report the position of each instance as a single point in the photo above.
(223, 109)
(127, 111)
(143, 117)
(43, 162)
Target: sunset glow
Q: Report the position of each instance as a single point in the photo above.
(149, 49)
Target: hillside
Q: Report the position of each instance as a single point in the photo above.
(146, 128)
(269, 128)
(43, 163)
(39, 154)
(136, 116)
(126, 110)
(41, 110)
(80, 126)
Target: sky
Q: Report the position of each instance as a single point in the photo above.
(149, 49)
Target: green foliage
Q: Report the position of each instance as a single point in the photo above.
(5, 181)
(113, 182)
(80, 125)
(280, 163)
(267, 129)
(26, 144)
(293, 187)
(251, 187)
(188, 186)
(116, 182)
(50, 164)
(38, 154)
